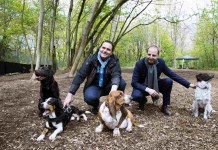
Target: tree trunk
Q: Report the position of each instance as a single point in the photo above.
(40, 34)
(24, 34)
(52, 30)
(68, 34)
(73, 49)
(84, 38)
(114, 27)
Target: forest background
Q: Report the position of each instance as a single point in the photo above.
(63, 33)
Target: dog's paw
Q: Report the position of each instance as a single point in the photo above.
(40, 138)
(84, 117)
(205, 117)
(88, 112)
(129, 129)
(195, 114)
(98, 129)
(116, 132)
(141, 126)
(52, 137)
(72, 118)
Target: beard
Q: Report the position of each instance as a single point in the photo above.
(151, 61)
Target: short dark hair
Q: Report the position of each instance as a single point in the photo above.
(107, 41)
(154, 46)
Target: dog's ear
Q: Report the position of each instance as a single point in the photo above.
(51, 73)
(48, 71)
(58, 104)
(198, 77)
(119, 103)
(120, 100)
(111, 105)
(116, 94)
(51, 108)
(211, 77)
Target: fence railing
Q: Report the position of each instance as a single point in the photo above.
(10, 67)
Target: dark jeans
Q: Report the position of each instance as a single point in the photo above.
(165, 87)
(93, 93)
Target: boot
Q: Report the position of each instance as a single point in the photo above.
(142, 103)
(165, 110)
(94, 110)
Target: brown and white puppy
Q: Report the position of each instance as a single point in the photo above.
(114, 115)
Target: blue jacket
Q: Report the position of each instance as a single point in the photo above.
(140, 72)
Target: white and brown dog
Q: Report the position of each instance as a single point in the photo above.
(57, 117)
(114, 115)
(203, 95)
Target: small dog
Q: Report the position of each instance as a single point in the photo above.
(203, 95)
(114, 115)
(58, 117)
(48, 87)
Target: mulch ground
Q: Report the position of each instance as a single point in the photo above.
(20, 125)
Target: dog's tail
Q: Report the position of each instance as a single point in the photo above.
(138, 125)
(87, 112)
(83, 114)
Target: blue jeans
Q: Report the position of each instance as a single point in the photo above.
(93, 93)
(165, 87)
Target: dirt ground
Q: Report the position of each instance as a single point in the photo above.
(20, 125)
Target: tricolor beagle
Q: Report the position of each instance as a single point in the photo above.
(114, 115)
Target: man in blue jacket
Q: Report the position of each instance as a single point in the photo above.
(146, 80)
(102, 73)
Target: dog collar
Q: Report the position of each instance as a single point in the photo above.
(68, 110)
(202, 88)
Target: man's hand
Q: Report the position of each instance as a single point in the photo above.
(192, 86)
(152, 92)
(67, 100)
(114, 88)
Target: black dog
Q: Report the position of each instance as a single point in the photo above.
(48, 87)
(58, 117)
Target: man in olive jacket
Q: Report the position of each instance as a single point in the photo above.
(146, 80)
(103, 73)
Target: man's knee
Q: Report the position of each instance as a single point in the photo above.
(137, 95)
(122, 85)
(166, 83)
(169, 81)
(90, 97)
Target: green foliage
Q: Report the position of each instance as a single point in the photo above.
(206, 37)
(127, 48)
(3, 49)
(167, 48)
